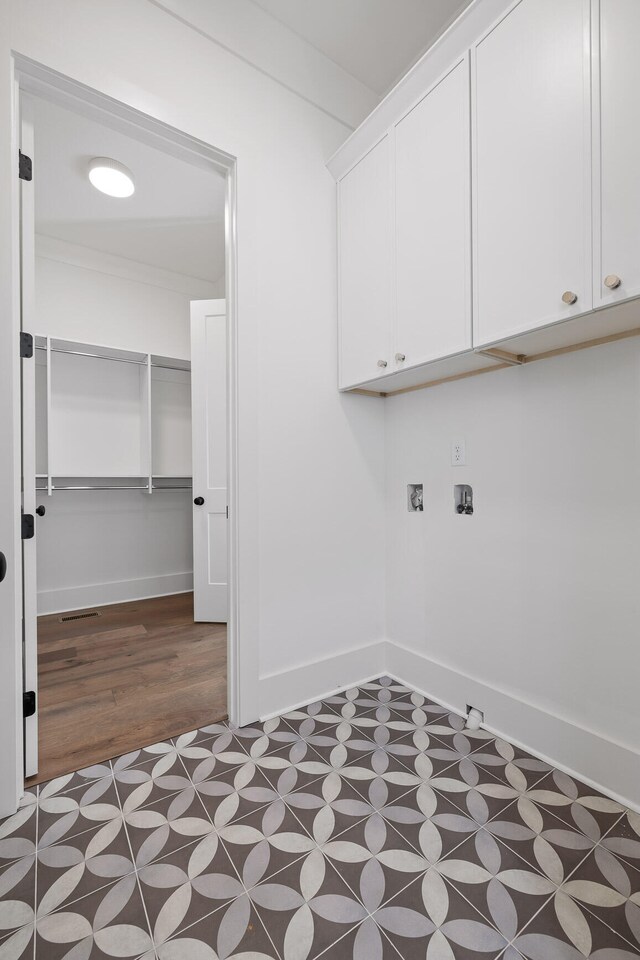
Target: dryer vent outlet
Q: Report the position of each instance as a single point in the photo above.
(475, 718)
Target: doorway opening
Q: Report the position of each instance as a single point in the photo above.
(127, 420)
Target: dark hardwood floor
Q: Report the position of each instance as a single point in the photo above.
(138, 673)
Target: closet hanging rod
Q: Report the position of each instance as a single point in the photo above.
(112, 486)
(165, 366)
(95, 356)
(172, 486)
(166, 486)
(101, 356)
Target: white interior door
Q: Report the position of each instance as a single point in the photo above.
(30, 598)
(209, 446)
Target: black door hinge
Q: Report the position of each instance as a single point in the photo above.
(26, 345)
(28, 526)
(29, 703)
(25, 167)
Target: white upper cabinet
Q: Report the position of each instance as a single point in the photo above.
(499, 209)
(532, 163)
(365, 283)
(617, 154)
(432, 224)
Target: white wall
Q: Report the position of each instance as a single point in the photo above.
(106, 547)
(528, 610)
(100, 547)
(275, 49)
(93, 297)
(311, 462)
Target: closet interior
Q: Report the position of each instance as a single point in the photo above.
(120, 657)
(111, 419)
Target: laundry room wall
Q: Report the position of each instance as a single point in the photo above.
(310, 461)
(529, 608)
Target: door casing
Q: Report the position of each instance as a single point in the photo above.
(28, 390)
(30, 77)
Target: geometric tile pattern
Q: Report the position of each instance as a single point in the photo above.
(370, 826)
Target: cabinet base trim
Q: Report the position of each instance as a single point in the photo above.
(513, 359)
(504, 360)
(584, 345)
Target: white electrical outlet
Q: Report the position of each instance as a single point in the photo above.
(458, 455)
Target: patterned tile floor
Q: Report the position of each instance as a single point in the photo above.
(369, 826)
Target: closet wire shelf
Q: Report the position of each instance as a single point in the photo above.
(144, 480)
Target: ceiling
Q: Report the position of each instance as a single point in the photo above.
(174, 220)
(375, 41)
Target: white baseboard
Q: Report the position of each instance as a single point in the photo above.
(118, 591)
(610, 767)
(319, 679)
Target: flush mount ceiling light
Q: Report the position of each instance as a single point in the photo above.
(111, 177)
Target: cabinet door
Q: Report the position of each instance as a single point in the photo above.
(364, 200)
(433, 224)
(532, 149)
(619, 247)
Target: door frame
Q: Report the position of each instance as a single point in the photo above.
(39, 80)
(28, 438)
(11, 673)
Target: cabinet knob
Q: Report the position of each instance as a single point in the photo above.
(382, 363)
(569, 297)
(400, 358)
(612, 281)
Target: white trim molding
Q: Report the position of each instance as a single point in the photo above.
(62, 251)
(611, 767)
(253, 35)
(450, 47)
(320, 678)
(11, 741)
(30, 76)
(115, 591)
